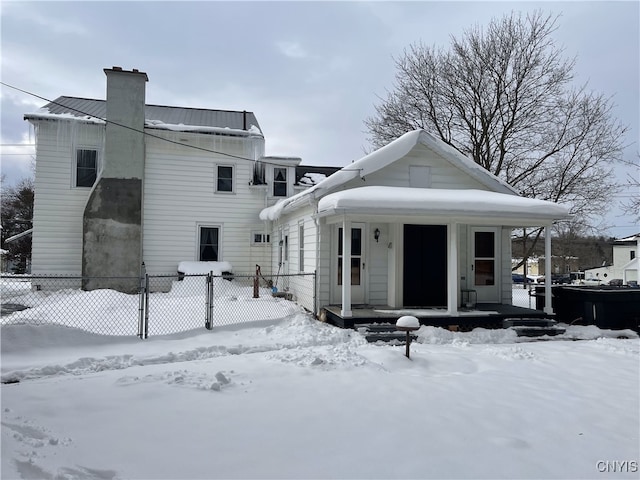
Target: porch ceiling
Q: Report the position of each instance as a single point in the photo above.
(448, 205)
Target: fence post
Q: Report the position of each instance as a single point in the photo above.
(208, 324)
(141, 302)
(146, 306)
(315, 293)
(256, 293)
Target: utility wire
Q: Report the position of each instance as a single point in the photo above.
(143, 132)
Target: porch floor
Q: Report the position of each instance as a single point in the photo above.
(485, 315)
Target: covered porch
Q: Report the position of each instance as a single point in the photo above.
(407, 220)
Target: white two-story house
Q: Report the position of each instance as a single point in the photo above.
(120, 183)
(123, 187)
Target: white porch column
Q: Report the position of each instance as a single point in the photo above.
(346, 269)
(547, 270)
(452, 270)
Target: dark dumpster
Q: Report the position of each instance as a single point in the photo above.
(606, 307)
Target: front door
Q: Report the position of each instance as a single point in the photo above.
(484, 264)
(357, 264)
(425, 266)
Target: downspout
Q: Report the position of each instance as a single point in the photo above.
(316, 222)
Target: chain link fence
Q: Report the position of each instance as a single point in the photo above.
(523, 296)
(164, 304)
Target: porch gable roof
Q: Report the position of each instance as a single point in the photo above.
(380, 159)
(481, 205)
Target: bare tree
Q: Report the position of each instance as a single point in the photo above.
(632, 205)
(16, 217)
(504, 97)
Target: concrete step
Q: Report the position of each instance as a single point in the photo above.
(533, 327)
(524, 327)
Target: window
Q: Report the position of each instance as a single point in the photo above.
(632, 254)
(86, 167)
(209, 244)
(279, 182)
(224, 181)
(356, 255)
(260, 238)
(485, 261)
(301, 247)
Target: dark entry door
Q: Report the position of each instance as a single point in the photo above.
(425, 266)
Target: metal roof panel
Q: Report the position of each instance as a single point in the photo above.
(197, 117)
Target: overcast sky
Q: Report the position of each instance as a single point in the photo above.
(310, 71)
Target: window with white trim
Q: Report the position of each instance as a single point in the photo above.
(86, 167)
(224, 178)
(209, 244)
(279, 182)
(260, 238)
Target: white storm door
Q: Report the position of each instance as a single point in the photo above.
(485, 260)
(357, 264)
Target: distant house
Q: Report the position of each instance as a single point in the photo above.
(625, 263)
(120, 183)
(424, 225)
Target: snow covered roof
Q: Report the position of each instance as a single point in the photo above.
(477, 204)
(629, 239)
(156, 116)
(381, 158)
(307, 175)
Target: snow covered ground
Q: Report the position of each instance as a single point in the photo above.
(296, 398)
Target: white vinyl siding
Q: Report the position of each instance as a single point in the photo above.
(300, 287)
(441, 173)
(179, 195)
(377, 264)
(323, 272)
(420, 176)
(58, 206)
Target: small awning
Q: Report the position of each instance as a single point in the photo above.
(472, 205)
